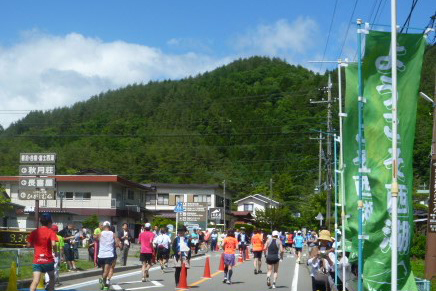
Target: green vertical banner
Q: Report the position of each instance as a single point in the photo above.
(378, 146)
(351, 158)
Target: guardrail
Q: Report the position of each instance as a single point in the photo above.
(23, 257)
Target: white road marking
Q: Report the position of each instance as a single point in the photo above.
(295, 279)
(92, 282)
(116, 287)
(155, 284)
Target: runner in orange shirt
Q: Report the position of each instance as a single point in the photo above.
(230, 244)
(257, 246)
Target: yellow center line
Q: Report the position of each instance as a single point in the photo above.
(205, 279)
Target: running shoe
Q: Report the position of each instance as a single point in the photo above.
(100, 282)
(268, 281)
(144, 279)
(255, 272)
(274, 286)
(106, 288)
(225, 280)
(229, 282)
(259, 272)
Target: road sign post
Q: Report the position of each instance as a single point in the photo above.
(320, 218)
(178, 209)
(35, 183)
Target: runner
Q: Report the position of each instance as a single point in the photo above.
(257, 247)
(273, 251)
(230, 244)
(43, 240)
(299, 241)
(57, 258)
(290, 242)
(146, 241)
(114, 262)
(182, 252)
(107, 242)
(163, 243)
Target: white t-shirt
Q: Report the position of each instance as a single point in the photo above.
(106, 244)
(163, 240)
(126, 240)
(314, 264)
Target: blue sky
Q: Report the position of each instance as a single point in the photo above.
(54, 53)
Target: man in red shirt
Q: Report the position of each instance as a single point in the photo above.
(146, 240)
(43, 240)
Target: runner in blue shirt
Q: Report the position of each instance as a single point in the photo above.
(299, 241)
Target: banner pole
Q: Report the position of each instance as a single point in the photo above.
(394, 238)
(341, 169)
(336, 208)
(360, 141)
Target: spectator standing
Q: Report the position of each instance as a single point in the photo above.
(243, 241)
(43, 240)
(195, 240)
(213, 240)
(97, 233)
(182, 252)
(125, 238)
(68, 235)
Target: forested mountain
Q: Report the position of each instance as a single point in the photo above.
(245, 122)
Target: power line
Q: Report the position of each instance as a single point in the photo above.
(409, 17)
(348, 28)
(328, 35)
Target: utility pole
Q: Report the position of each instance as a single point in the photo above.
(430, 253)
(224, 212)
(320, 139)
(329, 153)
(270, 202)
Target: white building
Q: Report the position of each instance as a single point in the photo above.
(163, 201)
(110, 197)
(253, 203)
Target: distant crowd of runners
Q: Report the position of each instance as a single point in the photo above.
(157, 246)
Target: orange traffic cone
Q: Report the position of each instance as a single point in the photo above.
(240, 260)
(247, 254)
(221, 263)
(183, 283)
(207, 268)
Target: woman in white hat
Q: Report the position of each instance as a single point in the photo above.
(273, 251)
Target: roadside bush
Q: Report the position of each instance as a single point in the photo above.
(418, 246)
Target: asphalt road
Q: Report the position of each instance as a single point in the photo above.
(292, 277)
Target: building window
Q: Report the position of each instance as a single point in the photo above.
(203, 198)
(219, 201)
(179, 198)
(162, 199)
(82, 196)
(69, 195)
(130, 194)
(150, 199)
(248, 207)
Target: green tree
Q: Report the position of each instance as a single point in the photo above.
(91, 222)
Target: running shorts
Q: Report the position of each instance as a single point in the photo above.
(146, 258)
(257, 254)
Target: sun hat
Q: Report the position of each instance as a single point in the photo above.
(106, 223)
(325, 235)
(275, 233)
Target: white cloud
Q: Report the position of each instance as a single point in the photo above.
(45, 71)
(281, 38)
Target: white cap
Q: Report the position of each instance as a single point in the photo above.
(275, 233)
(106, 223)
(147, 225)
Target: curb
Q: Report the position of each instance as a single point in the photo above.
(65, 277)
